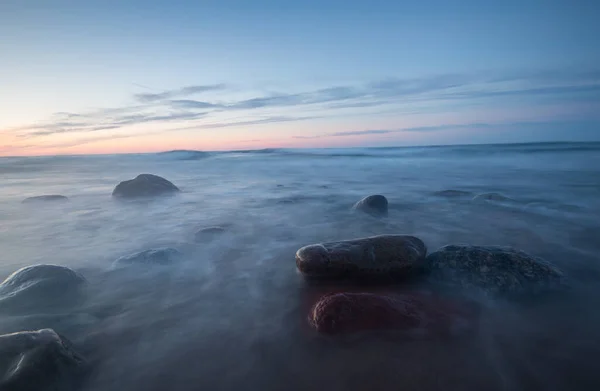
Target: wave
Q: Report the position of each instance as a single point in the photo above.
(183, 154)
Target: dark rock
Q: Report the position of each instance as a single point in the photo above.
(494, 269)
(208, 233)
(374, 205)
(415, 314)
(496, 197)
(50, 197)
(39, 360)
(383, 255)
(41, 287)
(452, 193)
(144, 185)
(156, 256)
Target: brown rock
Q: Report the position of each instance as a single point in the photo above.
(374, 205)
(382, 255)
(414, 313)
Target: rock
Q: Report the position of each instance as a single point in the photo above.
(156, 256)
(41, 287)
(144, 185)
(374, 205)
(208, 233)
(494, 269)
(452, 193)
(415, 314)
(496, 197)
(383, 255)
(39, 360)
(50, 197)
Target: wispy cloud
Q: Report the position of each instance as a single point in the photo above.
(171, 107)
(181, 92)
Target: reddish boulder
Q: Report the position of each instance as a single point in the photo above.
(414, 313)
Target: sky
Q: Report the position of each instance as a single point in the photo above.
(79, 77)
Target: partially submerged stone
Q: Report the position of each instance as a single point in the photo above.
(39, 360)
(414, 313)
(382, 255)
(40, 287)
(42, 198)
(374, 205)
(208, 233)
(155, 256)
(144, 185)
(496, 270)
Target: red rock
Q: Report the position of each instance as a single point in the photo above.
(341, 313)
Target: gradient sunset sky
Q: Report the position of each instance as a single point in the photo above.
(110, 76)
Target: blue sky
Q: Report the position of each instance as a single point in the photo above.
(120, 76)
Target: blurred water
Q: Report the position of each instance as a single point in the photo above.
(233, 314)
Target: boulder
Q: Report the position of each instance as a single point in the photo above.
(382, 255)
(156, 256)
(144, 185)
(41, 287)
(50, 197)
(374, 205)
(416, 314)
(495, 270)
(39, 360)
(208, 233)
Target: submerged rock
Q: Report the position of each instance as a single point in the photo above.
(208, 233)
(374, 205)
(416, 314)
(39, 360)
(156, 256)
(144, 185)
(493, 269)
(382, 255)
(496, 197)
(452, 193)
(41, 287)
(42, 198)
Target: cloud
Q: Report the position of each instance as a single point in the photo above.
(181, 92)
(408, 93)
(192, 104)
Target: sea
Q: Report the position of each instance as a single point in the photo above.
(233, 314)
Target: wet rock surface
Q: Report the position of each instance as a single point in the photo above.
(375, 256)
(496, 270)
(144, 185)
(39, 361)
(416, 314)
(209, 233)
(45, 198)
(156, 256)
(40, 287)
(374, 205)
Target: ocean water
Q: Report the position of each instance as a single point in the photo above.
(232, 315)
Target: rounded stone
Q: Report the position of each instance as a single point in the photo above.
(382, 255)
(374, 205)
(36, 360)
(42, 198)
(208, 233)
(40, 287)
(156, 256)
(496, 270)
(414, 313)
(144, 185)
